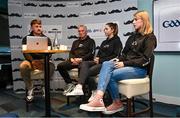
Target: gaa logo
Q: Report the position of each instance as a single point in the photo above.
(171, 23)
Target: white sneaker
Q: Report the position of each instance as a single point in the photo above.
(93, 93)
(76, 91)
(30, 95)
(69, 87)
(86, 107)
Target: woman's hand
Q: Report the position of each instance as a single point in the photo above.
(118, 64)
(76, 61)
(96, 60)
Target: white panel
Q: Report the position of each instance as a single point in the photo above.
(167, 24)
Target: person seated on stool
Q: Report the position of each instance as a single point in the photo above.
(33, 62)
(110, 48)
(82, 50)
(132, 64)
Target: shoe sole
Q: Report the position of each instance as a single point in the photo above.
(69, 90)
(113, 111)
(67, 94)
(88, 108)
(30, 100)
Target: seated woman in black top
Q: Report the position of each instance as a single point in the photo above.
(109, 49)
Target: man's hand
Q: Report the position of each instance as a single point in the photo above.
(76, 61)
(96, 60)
(38, 64)
(118, 64)
(28, 57)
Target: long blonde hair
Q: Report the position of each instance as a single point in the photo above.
(147, 27)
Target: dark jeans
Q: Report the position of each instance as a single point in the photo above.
(63, 69)
(87, 71)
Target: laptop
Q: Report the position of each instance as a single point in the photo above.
(37, 43)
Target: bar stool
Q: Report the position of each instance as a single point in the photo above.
(139, 86)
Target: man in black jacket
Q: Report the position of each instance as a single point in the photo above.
(82, 50)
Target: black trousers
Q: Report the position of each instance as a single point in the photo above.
(88, 69)
(63, 69)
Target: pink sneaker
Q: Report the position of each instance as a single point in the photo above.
(113, 108)
(92, 96)
(95, 105)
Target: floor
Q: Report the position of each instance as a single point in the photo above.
(15, 103)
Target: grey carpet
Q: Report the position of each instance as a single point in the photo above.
(15, 103)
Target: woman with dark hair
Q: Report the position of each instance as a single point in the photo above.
(109, 49)
(131, 64)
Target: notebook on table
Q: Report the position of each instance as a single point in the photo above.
(37, 43)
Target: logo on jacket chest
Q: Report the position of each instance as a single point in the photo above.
(106, 46)
(81, 45)
(134, 43)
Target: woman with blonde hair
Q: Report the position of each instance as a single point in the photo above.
(131, 64)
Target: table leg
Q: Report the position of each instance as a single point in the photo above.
(47, 86)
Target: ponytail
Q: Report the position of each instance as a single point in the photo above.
(113, 26)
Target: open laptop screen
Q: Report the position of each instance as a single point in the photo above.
(37, 43)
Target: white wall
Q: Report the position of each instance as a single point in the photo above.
(166, 77)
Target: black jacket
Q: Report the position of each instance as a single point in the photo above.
(34, 56)
(138, 50)
(109, 49)
(83, 49)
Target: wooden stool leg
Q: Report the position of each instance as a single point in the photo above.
(129, 100)
(133, 104)
(68, 100)
(27, 103)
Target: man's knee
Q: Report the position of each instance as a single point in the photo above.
(85, 64)
(25, 65)
(62, 65)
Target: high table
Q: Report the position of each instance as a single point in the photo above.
(46, 54)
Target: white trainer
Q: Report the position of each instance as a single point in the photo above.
(69, 87)
(76, 91)
(93, 93)
(30, 95)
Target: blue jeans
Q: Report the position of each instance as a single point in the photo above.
(109, 76)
